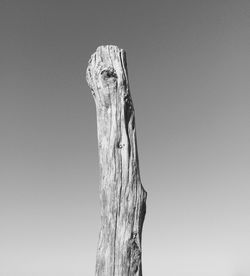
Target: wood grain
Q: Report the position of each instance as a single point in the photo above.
(122, 196)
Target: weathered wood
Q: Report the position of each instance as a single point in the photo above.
(122, 196)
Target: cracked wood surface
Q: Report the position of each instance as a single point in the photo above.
(122, 196)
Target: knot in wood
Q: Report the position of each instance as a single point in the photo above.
(109, 77)
(120, 146)
(109, 73)
(134, 253)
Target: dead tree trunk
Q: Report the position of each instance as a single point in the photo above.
(122, 196)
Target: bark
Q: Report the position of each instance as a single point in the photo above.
(122, 196)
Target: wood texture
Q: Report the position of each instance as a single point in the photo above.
(122, 196)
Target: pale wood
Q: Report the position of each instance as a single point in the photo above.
(122, 196)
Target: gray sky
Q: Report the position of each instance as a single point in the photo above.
(189, 66)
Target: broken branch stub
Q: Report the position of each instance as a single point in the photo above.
(122, 196)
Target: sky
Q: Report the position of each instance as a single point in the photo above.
(188, 65)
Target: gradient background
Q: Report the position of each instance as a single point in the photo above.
(189, 66)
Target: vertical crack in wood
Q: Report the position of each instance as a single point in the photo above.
(123, 199)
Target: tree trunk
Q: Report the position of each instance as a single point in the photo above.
(122, 196)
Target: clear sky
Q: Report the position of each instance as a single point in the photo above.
(189, 66)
